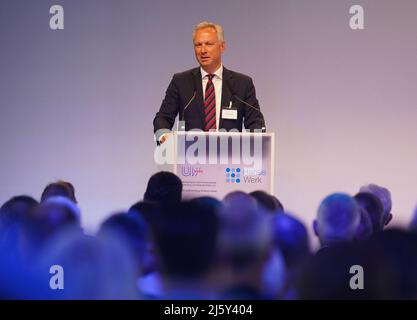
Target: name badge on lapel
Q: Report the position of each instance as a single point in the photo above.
(228, 113)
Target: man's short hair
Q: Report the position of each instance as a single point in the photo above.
(131, 230)
(245, 235)
(16, 209)
(59, 188)
(267, 201)
(291, 238)
(207, 24)
(164, 187)
(373, 207)
(383, 195)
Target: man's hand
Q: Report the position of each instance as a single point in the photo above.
(163, 138)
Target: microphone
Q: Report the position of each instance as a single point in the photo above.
(182, 120)
(263, 128)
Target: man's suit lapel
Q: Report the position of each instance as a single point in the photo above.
(226, 94)
(199, 89)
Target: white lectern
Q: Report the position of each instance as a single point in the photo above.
(216, 163)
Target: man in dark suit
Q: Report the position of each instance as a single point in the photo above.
(210, 97)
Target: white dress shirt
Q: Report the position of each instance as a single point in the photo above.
(217, 82)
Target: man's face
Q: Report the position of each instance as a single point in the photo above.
(208, 49)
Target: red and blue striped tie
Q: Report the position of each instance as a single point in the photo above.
(210, 105)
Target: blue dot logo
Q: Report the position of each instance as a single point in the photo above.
(237, 180)
(227, 169)
(233, 175)
(238, 170)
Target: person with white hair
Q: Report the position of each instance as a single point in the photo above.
(384, 195)
(246, 249)
(199, 95)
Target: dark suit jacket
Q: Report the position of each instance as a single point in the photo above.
(181, 90)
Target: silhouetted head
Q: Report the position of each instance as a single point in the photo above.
(164, 187)
(373, 206)
(144, 209)
(16, 209)
(93, 268)
(267, 201)
(384, 195)
(147, 211)
(132, 231)
(329, 274)
(291, 238)
(245, 234)
(237, 201)
(365, 228)
(59, 188)
(185, 236)
(208, 202)
(337, 219)
(56, 215)
(13, 214)
(394, 253)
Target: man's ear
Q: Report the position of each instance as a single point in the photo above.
(315, 228)
(223, 47)
(388, 219)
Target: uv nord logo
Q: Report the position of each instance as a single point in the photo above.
(190, 171)
(232, 175)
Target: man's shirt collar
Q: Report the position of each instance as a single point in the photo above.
(218, 73)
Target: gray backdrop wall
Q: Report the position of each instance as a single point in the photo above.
(78, 103)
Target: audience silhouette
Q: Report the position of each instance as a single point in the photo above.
(242, 247)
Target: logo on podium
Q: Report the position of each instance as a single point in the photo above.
(190, 171)
(233, 175)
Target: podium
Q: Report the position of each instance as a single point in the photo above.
(216, 163)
